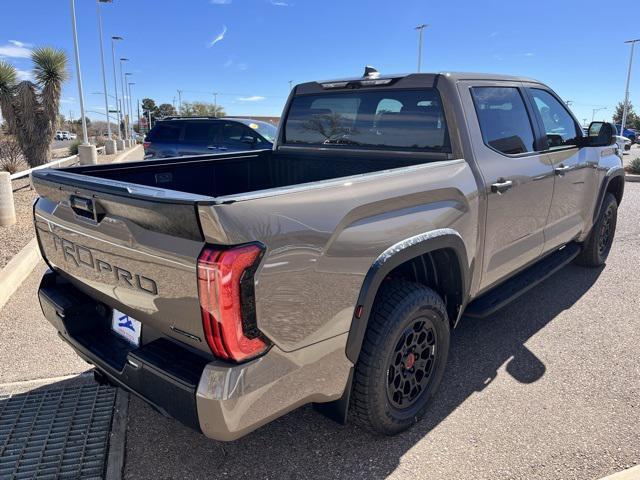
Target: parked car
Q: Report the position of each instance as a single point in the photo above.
(623, 143)
(71, 136)
(630, 133)
(59, 135)
(228, 289)
(179, 136)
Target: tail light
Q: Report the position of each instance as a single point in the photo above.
(227, 303)
(146, 145)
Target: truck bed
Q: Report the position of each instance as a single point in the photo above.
(232, 174)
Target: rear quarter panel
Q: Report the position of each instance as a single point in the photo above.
(322, 239)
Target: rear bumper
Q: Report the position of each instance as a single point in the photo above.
(224, 401)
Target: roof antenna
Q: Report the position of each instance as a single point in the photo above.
(370, 72)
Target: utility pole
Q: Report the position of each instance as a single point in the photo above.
(179, 102)
(625, 110)
(131, 103)
(124, 100)
(115, 81)
(420, 29)
(215, 104)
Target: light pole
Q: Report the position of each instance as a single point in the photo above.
(110, 144)
(420, 29)
(78, 73)
(86, 152)
(626, 90)
(179, 102)
(124, 100)
(131, 103)
(115, 82)
(215, 104)
(596, 110)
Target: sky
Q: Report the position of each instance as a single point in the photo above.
(249, 50)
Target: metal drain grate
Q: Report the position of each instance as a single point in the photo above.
(55, 434)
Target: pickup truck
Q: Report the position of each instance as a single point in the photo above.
(229, 289)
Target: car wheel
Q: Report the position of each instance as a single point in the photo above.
(598, 244)
(403, 358)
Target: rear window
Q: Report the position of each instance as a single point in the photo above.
(393, 119)
(165, 132)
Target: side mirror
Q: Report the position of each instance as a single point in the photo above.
(601, 134)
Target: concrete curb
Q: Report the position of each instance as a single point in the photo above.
(17, 270)
(632, 473)
(118, 437)
(124, 155)
(630, 177)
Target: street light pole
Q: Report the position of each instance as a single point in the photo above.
(77, 57)
(104, 77)
(124, 100)
(131, 103)
(625, 109)
(115, 81)
(215, 104)
(420, 29)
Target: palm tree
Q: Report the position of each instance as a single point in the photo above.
(31, 108)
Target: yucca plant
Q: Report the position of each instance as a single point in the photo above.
(31, 108)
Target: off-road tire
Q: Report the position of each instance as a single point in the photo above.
(598, 244)
(399, 309)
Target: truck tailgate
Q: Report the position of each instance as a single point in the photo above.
(133, 249)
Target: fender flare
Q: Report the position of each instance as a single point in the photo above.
(611, 174)
(392, 257)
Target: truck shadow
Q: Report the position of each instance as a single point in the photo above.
(304, 444)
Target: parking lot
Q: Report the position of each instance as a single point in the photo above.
(547, 388)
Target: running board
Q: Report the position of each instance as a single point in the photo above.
(505, 293)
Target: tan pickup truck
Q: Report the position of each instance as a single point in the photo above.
(229, 289)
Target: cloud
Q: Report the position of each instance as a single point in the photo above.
(228, 63)
(494, 34)
(253, 98)
(220, 36)
(529, 54)
(23, 75)
(242, 66)
(280, 3)
(15, 49)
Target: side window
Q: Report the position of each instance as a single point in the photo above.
(165, 132)
(504, 120)
(559, 125)
(236, 134)
(197, 132)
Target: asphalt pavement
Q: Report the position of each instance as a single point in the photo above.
(548, 388)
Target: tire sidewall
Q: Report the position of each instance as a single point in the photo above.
(405, 314)
(609, 204)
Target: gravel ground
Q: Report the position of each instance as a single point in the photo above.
(548, 388)
(14, 237)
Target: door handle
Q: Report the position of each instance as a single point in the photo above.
(211, 147)
(501, 185)
(561, 170)
(222, 149)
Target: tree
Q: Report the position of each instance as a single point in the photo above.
(201, 109)
(633, 121)
(31, 108)
(165, 110)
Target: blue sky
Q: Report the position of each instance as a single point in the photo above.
(571, 45)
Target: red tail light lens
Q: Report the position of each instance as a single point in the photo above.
(225, 288)
(146, 145)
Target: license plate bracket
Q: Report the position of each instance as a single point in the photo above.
(126, 327)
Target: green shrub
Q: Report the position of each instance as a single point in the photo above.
(73, 148)
(634, 166)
